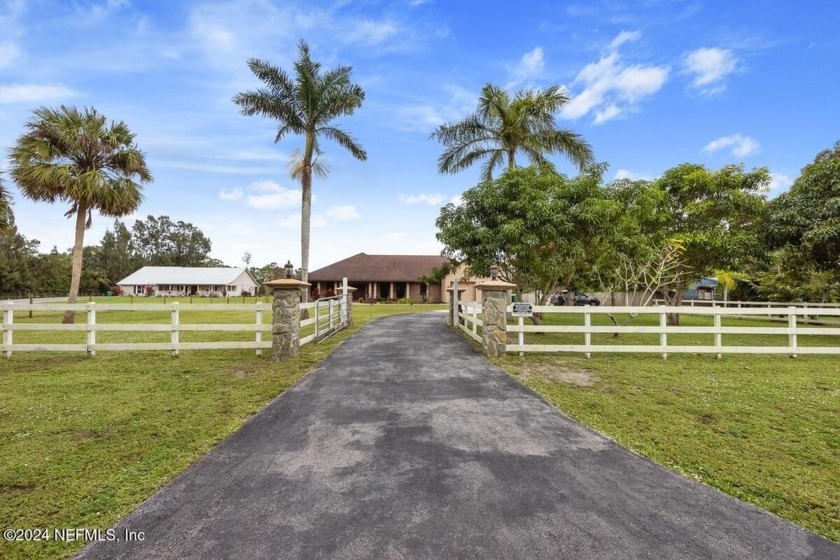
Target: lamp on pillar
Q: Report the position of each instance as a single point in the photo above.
(494, 271)
(289, 268)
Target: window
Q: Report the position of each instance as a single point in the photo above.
(231, 288)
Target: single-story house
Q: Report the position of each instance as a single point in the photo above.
(189, 281)
(381, 277)
(390, 277)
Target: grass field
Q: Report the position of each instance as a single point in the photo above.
(765, 429)
(84, 440)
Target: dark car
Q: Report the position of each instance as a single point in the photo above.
(561, 298)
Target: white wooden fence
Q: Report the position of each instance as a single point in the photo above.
(261, 325)
(792, 331)
(469, 322)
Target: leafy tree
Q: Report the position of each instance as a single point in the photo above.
(715, 216)
(306, 105)
(162, 242)
(79, 158)
(540, 227)
(52, 272)
(267, 272)
(502, 126)
(16, 257)
(805, 221)
(116, 256)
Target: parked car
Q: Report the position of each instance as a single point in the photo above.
(561, 298)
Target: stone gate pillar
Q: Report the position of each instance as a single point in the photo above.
(495, 300)
(285, 324)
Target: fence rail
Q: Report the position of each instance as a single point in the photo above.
(468, 313)
(792, 331)
(173, 326)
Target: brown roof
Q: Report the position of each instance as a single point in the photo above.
(378, 268)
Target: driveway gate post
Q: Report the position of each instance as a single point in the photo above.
(495, 301)
(285, 323)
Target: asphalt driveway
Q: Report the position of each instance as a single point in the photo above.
(406, 443)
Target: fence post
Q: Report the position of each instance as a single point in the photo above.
(663, 336)
(259, 325)
(474, 313)
(174, 337)
(8, 321)
(91, 328)
(792, 326)
(521, 334)
(330, 314)
(317, 319)
(718, 335)
(285, 321)
(587, 334)
(453, 303)
(495, 302)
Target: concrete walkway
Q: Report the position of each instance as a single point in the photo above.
(406, 443)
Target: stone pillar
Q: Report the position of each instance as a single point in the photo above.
(285, 324)
(495, 301)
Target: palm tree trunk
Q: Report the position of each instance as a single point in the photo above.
(511, 160)
(305, 215)
(76, 270)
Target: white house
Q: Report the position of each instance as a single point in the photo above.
(186, 281)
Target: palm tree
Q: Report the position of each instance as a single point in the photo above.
(6, 217)
(305, 105)
(79, 158)
(502, 126)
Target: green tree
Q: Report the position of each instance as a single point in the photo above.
(52, 272)
(305, 105)
(502, 126)
(79, 158)
(805, 221)
(162, 242)
(117, 255)
(16, 257)
(540, 227)
(715, 216)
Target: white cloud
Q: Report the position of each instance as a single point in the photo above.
(457, 200)
(742, 146)
(709, 67)
(34, 93)
(428, 116)
(779, 183)
(334, 214)
(232, 194)
(430, 199)
(611, 87)
(369, 33)
(626, 174)
(9, 52)
(346, 213)
(529, 67)
(624, 37)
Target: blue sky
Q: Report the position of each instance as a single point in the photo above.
(652, 83)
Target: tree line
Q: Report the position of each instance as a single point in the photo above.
(155, 241)
(547, 231)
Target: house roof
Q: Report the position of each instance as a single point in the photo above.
(182, 275)
(378, 268)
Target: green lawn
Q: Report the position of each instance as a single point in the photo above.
(764, 429)
(84, 440)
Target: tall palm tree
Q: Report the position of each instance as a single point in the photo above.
(306, 105)
(79, 158)
(502, 126)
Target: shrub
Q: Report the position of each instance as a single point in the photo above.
(116, 290)
(150, 290)
(405, 300)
